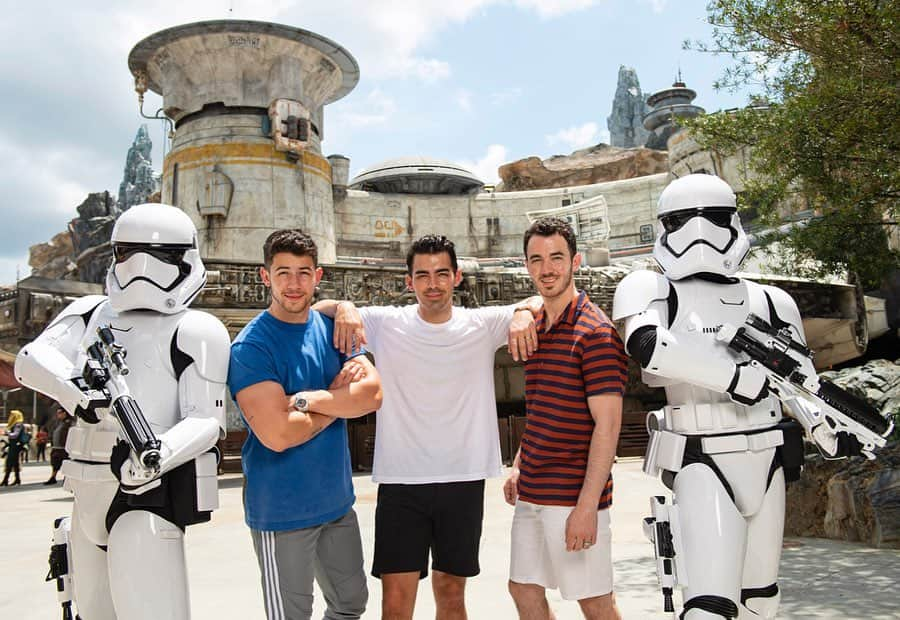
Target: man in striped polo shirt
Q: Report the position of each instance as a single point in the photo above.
(560, 483)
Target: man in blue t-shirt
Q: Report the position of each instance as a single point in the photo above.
(293, 387)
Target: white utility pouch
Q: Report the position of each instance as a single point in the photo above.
(207, 482)
(665, 450)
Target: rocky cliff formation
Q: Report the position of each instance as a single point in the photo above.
(625, 122)
(591, 165)
(53, 259)
(83, 252)
(855, 499)
(138, 180)
(90, 233)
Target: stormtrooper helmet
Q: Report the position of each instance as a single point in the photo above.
(156, 264)
(699, 228)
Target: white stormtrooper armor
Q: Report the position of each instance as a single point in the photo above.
(126, 541)
(720, 442)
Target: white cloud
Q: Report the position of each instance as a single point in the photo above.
(463, 99)
(554, 8)
(578, 136)
(374, 109)
(658, 6)
(505, 96)
(486, 167)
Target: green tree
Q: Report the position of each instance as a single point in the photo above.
(827, 137)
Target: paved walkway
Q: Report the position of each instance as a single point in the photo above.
(819, 578)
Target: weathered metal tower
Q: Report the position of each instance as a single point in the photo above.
(246, 100)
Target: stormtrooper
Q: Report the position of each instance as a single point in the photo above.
(125, 551)
(720, 444)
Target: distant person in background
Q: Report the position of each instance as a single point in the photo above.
(14, 427)
(40, 442)
(58, 438)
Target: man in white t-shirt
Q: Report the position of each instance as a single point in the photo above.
(437, 438)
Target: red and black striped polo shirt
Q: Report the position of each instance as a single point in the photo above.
(579, 356)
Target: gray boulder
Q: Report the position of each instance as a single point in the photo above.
(854, 499)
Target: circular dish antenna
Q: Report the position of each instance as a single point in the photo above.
(417, 175)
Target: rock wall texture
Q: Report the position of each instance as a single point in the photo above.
(626, 120)
(854, 499)
(90, 233)
(53, 259)
(596, 164)
(138, 180)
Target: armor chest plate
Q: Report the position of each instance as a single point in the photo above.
(147, 338)
(703, 307)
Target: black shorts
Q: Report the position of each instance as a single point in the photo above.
(57, 456)
(443, 518)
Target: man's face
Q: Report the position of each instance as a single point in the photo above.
(550, 265)
(61, 414)
(292, 281)
(433, 280)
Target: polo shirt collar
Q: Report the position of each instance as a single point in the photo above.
(569, 315)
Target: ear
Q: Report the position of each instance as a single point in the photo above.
(457, 278)
(264, 276)
(319, 274)
(576, 261)
(409, 285)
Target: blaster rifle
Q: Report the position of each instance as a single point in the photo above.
(793, 380)
(105, 370)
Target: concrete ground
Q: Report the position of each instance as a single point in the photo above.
(819, 578)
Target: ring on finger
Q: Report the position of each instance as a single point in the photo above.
(585, 544)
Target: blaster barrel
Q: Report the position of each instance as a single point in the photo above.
(140, 436)
(126, 410)
(853, 407)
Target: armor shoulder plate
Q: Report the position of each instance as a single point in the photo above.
(83, 307)
(637, 291)
(202, 340)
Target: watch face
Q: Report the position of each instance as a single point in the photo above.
(301, 404)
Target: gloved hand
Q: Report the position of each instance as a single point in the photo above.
(749, 385)
(836, 445)
(131, 479)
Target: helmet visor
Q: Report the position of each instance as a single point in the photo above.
(160, 269)
(172, 254)
(712, 227)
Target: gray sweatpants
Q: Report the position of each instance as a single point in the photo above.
(330, 553)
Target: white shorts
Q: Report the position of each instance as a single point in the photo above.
(539, 553)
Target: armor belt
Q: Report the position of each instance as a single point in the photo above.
(756, 442)
(666, 450)
(707, 418)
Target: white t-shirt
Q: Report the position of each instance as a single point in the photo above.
(438, 416)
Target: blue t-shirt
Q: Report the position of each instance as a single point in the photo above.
(309, 484)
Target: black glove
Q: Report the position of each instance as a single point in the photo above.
(120, 453)
(847, 445)
(97, 399)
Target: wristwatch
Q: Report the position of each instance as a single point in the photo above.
(300, 403)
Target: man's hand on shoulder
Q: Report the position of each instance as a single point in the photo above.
(349, 334)
(523, 337)
(352, 371)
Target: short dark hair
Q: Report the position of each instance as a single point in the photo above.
(291, 240)
(547, 227)
(431, 244)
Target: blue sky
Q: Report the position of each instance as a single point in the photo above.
(480, 82)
